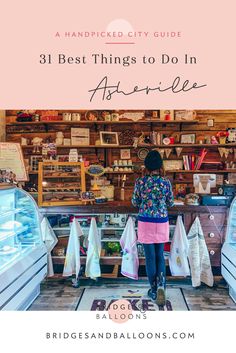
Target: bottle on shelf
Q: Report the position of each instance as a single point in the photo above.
(122, 191)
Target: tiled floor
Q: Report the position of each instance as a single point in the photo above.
(58, 294)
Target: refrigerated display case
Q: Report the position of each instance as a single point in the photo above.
(228, 253)
(23, 256)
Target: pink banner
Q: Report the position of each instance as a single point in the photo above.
(130, 54)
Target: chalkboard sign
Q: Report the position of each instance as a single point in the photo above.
(11, 158)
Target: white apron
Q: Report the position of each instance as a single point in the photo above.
(199, 259)
(72, 261)
(178, 259)
(128, 242)
(50, 240)
(93, 269)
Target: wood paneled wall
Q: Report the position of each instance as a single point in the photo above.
(223, 119)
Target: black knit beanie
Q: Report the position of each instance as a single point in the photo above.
(153, 161)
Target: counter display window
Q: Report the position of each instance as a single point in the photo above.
(228, 255)
(110, 228)
(111, 225)
(22, 251)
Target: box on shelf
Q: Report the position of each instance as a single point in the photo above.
(80, 136)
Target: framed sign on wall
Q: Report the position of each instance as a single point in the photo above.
(11, 158)
(231, 135)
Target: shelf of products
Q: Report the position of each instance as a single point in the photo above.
(105, 260)
(21, 249)
(80, 146)
(127, 135)
(56, 172)
(60, 176)
(183, 145)
(86, 122)
(213, 171)
(200, 171)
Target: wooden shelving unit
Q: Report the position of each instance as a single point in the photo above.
(184, 145)
(107, 154)
(104, 260)
(201, 171)
(57, 167)
(82, 146)
(103, 122)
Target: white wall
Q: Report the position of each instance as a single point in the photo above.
(2, 125)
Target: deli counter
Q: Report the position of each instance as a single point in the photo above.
(228, 256)
(23, 256)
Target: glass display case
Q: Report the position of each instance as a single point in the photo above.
(61, 183)
(23, 259)
(228, 253)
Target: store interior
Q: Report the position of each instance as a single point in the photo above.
(65, 174)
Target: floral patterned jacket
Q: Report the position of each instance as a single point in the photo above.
(153, 195)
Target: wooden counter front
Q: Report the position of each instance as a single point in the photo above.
(126, 207)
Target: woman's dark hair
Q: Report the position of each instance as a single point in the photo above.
(153, 161)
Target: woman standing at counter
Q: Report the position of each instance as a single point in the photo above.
(153, 194)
